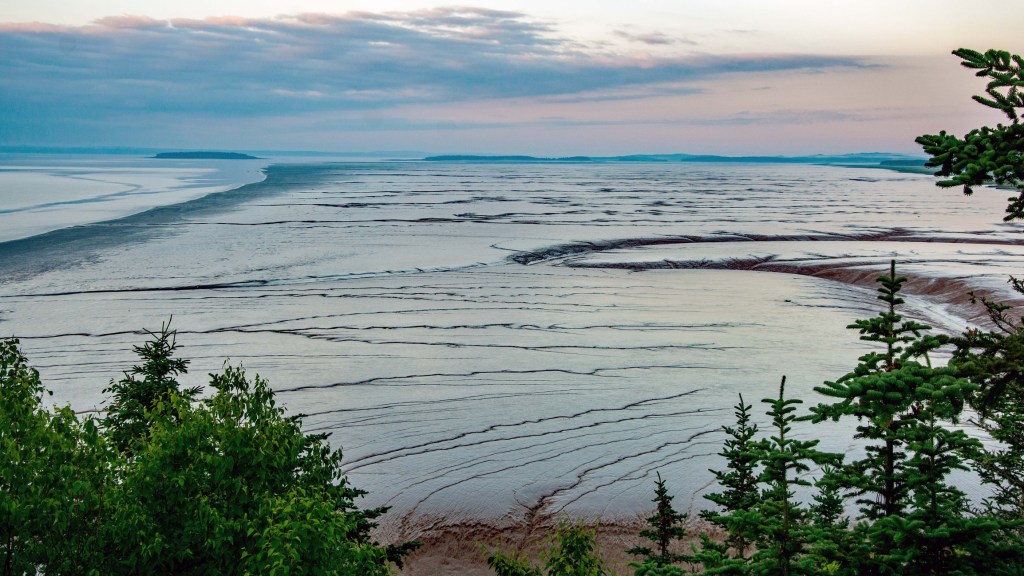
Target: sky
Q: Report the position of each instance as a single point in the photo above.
(496, 77)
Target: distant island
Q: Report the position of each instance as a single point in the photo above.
(205, 156)
(861, 159)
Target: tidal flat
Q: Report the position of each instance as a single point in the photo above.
(499, 345)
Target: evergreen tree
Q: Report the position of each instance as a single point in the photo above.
(740, 495)
(142, 388)
(231, 485)
(831, 544)
(228, 485)
(884, 393)
(785, 532)
(665, 526)
(987, 154)
(715, 558)
(916, 521)
(760, 510)
(994, 361)
(939, 534)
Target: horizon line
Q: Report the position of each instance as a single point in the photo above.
(419, 154)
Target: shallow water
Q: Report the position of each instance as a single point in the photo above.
(44, 192)
(504, 343)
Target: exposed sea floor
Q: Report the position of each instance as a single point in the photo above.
(502, 344)
(44, 192)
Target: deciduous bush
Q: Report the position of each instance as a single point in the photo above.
(228, 484)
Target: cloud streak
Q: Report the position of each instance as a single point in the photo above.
(309, 63)
(654, 38)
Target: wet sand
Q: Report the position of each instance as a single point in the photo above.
(495, 347)
(463, 550)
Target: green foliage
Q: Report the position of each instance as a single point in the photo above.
(827, 509)
(987, 154)
(571, 552)
(575, 553)
(233, 486)
(143, 387)
(760, 511)
(915, 520)
(714, 558)
(994, 361)
(831, 544)
(937, 534)
(891, 393)
(509, 564)
(53, 473)
(650, 568)
(228, 485)
(785, 533)
(666, 525)
(740, 495)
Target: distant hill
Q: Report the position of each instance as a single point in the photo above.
(860, 159)
(910, 162)
(476, 158)
(205, 156)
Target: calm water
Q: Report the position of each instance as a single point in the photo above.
(503, 342)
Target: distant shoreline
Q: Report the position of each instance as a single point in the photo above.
(205, 156)
(867, 160)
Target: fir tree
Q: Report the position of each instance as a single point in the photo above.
(231, 485)
(882, 393)
(739, 482)
(916, 521)
(142, 388)
(666, 525)
(830, 543)
(994, 361)
(785, 533)
(939, 534)
(715, 558)
(987, 154)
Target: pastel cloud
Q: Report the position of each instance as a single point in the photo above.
(58, 80)
(654, 38)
